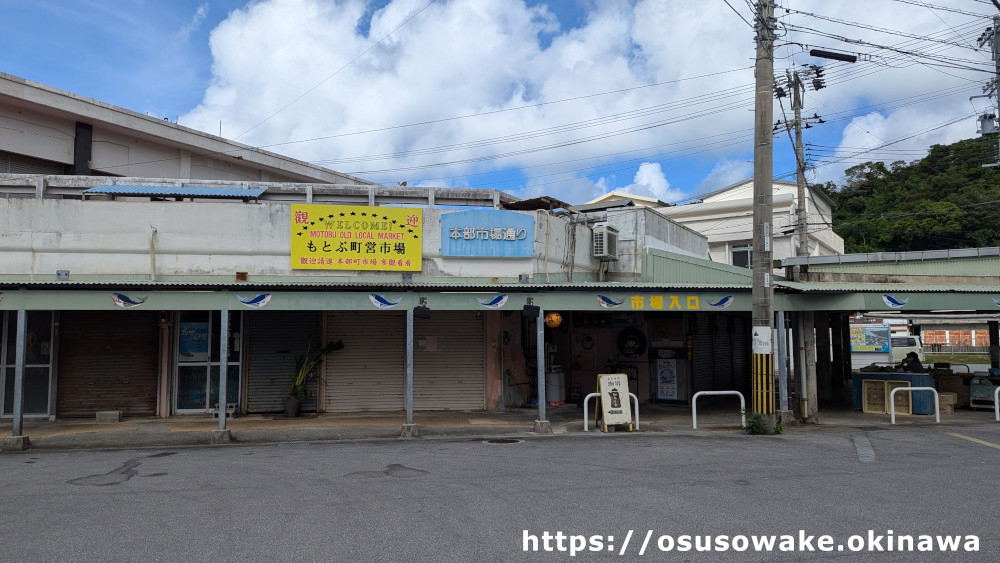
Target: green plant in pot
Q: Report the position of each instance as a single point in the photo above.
(306, 368)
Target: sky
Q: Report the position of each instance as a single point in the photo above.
(565, 98)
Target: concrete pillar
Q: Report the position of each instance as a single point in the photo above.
(223, 367)
(809, 365)
(22, 323)
(494, 350)
(824, 362)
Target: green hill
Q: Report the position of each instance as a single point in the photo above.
(946, 200)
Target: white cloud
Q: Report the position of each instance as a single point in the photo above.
(725, 173)
(194, 24)
(650, 181)
(286, 71)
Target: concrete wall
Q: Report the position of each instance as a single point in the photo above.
(640, 227)
(40, 236)
(33, 134)
(40, 122)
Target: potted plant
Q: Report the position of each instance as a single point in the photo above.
(305, 371)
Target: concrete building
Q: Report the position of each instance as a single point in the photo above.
(725, 217)
(133, 294)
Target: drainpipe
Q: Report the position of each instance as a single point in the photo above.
(152, 253)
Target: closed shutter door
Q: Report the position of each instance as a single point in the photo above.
(741, 361)
(368, 374)
(20, 164)
(723, 365)
(108, 360)
(449, 370)
(703, 353)
(276, 339)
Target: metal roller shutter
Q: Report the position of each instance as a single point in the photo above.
(703, 353)
(723, 353)
(20, 164)
(368, 374)
(452, 376)
(108, 360)
(276, 339)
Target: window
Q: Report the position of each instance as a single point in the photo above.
(743, 255)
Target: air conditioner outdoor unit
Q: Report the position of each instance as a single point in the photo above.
(605, 243)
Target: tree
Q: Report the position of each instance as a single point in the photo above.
(948, 199)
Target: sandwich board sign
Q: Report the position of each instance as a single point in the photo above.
(615, 407)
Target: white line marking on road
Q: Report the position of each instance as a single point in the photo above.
(864, 447)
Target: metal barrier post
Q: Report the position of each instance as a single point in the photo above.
(996, 403)
(694, 405)
(635, 403)
(892, 402)
(586, 417)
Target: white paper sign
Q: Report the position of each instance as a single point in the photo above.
(762, 340)
(615, 407)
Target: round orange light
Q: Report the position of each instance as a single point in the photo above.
(552, 320)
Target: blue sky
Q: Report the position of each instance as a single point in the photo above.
(564, 98)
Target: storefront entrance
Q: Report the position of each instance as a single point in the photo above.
(38, 355)
(196, 381)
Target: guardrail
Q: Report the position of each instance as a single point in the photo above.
(694, 406)
(892, 401)
(586, 417)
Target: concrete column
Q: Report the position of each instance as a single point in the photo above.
(541, 425)
(223, 367)
(408, 393)
(494, 376)
(824, 363)
(809, 365)
(782, 363)
(22, 322)
(409, 429)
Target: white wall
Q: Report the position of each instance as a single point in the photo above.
(40, 236)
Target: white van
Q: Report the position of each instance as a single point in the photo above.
(903, 345)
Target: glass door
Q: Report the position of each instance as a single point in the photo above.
(37, 363)
(196, 382)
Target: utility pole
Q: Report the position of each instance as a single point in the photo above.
(987, 121)
(797, 86)
(800, 166)
(762, 388)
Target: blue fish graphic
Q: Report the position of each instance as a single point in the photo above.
(125, 301)
(495, 303)
(261, 300)
(608, 303)
(723, 303)
(893, 302)
(995, 300)
(383, 302)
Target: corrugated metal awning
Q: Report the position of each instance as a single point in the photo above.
(181, 192)
(848, 287)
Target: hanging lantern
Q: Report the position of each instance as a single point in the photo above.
(552, 320)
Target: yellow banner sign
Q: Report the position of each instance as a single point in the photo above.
(348, 237)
